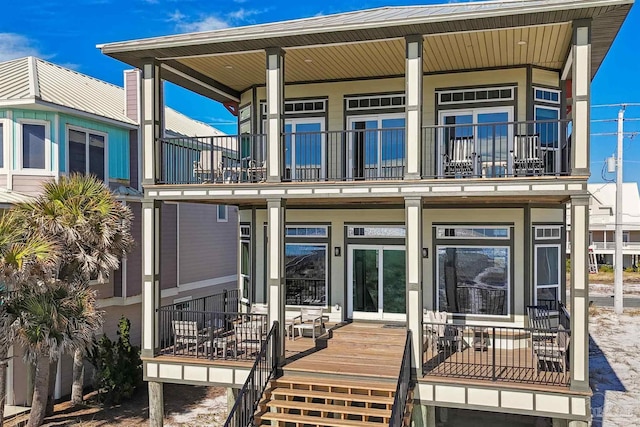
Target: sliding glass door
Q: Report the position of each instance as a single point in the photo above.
(304, 149)
(376, 147)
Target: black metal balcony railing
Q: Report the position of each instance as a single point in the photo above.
(497, 150)
(245, 407)
(404, 386)
(491, 150)
(212, 159)
(210, 335)
(492, 353)
(223, 302)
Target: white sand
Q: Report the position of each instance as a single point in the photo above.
(207, 413)
(614, 357)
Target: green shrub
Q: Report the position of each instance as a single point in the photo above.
(605, 268)
(631, 269)
(568, 265)
(118, 368)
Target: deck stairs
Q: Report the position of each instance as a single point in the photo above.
(351, 382)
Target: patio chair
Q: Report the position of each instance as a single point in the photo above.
(186, 333)
(553, 352)
(209, 167)
(310, 318)
(460, 158)
(443, 336)
(527, 156)
(250, 331)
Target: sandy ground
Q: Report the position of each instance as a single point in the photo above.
(606, 289)
(614, 357)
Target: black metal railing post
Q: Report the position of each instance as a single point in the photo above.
(493, 354)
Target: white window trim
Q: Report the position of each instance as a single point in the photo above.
(379, 107)
(548, 101)
(326, 272)
(476, 89)
(87, 132)
(491, 227)
(293, 122)
(6, 142)
(226, 213)
(535, 270)
(507, 297)
(324, 227)
(552, 227)
(556, 109)
(48, 146)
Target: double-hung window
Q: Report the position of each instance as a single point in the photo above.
(547, 119)
(547, 262)
(35, 145)
(473, 269)
(87, 152)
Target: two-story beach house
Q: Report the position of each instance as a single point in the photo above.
(401, 175)
(54, 121)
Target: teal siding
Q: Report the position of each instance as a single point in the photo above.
(46, 116)
(3, 114)
(117, 144)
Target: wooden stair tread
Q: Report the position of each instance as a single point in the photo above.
(336, 382)
(320, 407)
(281, 391)
(317, 421)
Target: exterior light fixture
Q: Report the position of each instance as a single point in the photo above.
(425, 252)
(337, 251)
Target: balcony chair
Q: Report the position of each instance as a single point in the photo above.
(442, 336)
(460, 159)
(528, 158)
(539, 319)
(310, 318)
(186, 333)
(202, 169)
(250, 330)
(257, 171)
(553, 352)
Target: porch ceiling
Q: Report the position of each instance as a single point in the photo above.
(545, 46)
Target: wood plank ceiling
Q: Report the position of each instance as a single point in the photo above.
(545, 46)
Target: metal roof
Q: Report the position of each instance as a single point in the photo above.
(35, 79)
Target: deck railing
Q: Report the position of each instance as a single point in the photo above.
(496, 150)
(210, 335)
(243, 412)
(212, 159)
(499, 354)
(404, 386)
(222, 302)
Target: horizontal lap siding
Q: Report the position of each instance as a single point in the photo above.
(134, 258)
(168, 246)
(207, 248)
(30, 185)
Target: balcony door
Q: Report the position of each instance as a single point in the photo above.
(376, 147)
(377, 285)
(305, 149)
(491, 133)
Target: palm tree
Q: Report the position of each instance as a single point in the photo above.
(52, 317)
(23, 255)
(91, 229)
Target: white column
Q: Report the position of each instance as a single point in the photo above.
(413, 251)
(413, 87)
(275, 113)
(152, 114)
(150, 276)
(579, 293)
(581, 88)
(275, 268)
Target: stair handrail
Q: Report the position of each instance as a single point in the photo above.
(243, 412)
(405, 383)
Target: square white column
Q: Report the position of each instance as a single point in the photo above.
(151, 128)
(413, 88)
(150, 276)
(413, 251)
(275, 113)
(275, 269)
(581, 96)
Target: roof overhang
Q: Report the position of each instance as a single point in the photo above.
(607, 17)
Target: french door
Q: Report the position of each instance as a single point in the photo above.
(377, 285)
(376, 147)
(305, 149)
(491, 132)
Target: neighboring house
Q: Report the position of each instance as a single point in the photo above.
(602, 223)
(391, 163)
(54, 121)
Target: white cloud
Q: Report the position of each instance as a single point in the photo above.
(242, 14)
(186, 24)
(14, 46)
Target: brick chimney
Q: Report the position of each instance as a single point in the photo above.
(132, 93)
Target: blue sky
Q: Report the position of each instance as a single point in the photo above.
(66, 32)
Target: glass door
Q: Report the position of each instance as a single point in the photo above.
(376, 147)
(304, 150)
(377, 282)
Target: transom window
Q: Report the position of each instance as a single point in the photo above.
(548, 233)
(87, 152)
(472, 232)
(546, 95)
(386, 231)
(464, 96)
(300, 106)
(383, 101)
(306, 231)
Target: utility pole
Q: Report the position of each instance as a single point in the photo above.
(618, 292)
